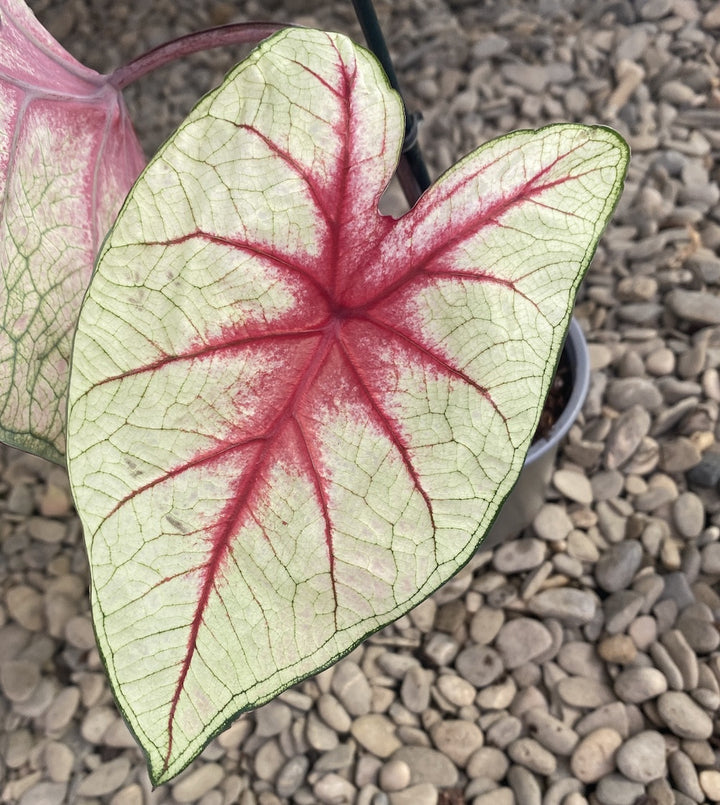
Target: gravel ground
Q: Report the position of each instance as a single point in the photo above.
(576, 664)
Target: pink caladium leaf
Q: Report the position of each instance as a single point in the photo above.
(291, 418)
(68, 156)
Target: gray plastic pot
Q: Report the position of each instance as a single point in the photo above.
(528, 494)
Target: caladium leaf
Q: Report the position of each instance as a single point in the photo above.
(291, 418)
(68, 156)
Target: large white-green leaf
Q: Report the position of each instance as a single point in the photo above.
(68, 156)
(292, 418)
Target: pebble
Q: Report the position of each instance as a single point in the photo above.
(643, 631)
(620, 609)
(552, 523)
(636, 685)
(333, 788)
(529, 753)
(525, 786)
(456, 690)
(394, 775)
(497, 796)
(695, 307)
(617, 566)
(664, 662)
(683, 716)
(79, 633)
(618, 648)
(594, 756)
(62, 710)
(642, 757)
(198, 782)
(570, 606)
(129, 795)
(333, 713)
(427, 766)
(292, 775)
(488, 761)
(679, 455)
(710, 784)
(320, 737)
(574, 486)
(626, 436)
(498, 696)
(479, 665)
(614, 789)
(520, 640)
(19, 679)
(45, 794)
(683, 656)
(341, 757)
(584, 692)
(352, 688)
(485, 624)
(376, 733)
(519, 555)
(16, 748)
(615, 716)
(689, 515)
(20, 500)
(503, 731)
(456, 739)
(415, 689)
(624, 393)
(710, 558)
(557, 792)
(95, 722)
(272, 719)
(59, 761)
(421, 794)
(702, 636)
(108, 777)
(441, 649)
(677, 590)
(25, 605)
(580, 659)
(550, 732)
(684, 775)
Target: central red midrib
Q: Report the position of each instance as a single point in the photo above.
(222, 541)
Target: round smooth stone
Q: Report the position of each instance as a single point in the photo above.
(376, 733)
(479, 665)
(292, 775)
(614, 789)
(529, 753)
(689, 515)
(19, 679)
(642, 757)
(550, 732)
(394, 775)
(710, 784)
(594, 756)
(570, 606)
(683, 716)
(488, 761)
(521, 640)
(617, 566)
(574, 485)
(457, 739)
(636, 685)
(519, 555)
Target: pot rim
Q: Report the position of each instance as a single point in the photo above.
(579, 358)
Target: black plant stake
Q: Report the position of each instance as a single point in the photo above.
(412, 172)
